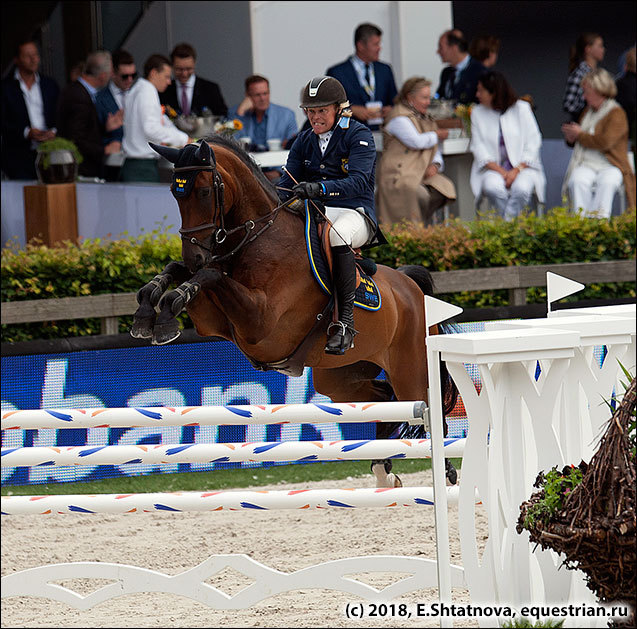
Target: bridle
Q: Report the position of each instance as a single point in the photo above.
(217, 225)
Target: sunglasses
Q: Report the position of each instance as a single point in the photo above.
(132, 75)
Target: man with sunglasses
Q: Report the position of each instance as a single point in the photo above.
(333, 162)
(189, 93)
(110, 103)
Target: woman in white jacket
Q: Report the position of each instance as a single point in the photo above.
(505, 142)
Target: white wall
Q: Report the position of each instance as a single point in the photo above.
(295, 41)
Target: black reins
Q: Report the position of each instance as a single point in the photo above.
(219, 231)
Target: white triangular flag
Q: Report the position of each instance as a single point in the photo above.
(558, 287)
(437, 311)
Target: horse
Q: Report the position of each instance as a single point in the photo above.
(245, 276)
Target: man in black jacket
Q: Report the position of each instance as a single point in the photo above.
(29, 101)
(459, 80)
(190, 94)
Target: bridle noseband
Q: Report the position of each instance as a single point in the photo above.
(217, 225)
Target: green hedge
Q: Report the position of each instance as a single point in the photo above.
(96, 267)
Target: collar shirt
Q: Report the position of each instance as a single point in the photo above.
(461, 66)
(144, 122)
(324, 140)
(34, 103)
(90, 89)
(360, 67)
(189, 86)
(118, 95)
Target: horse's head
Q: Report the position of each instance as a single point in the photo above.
(198, 188)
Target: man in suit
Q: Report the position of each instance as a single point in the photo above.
(459, 80)
(77, 114)
(369, 83)
(190, 94)
(110, 103)
(29, 101)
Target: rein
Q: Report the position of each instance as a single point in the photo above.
(217, 224)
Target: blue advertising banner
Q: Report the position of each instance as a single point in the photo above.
(189, 374)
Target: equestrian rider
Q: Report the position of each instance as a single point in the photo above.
(334, 162)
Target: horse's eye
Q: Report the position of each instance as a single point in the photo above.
(203, 193)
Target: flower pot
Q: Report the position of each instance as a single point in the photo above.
(61, 167)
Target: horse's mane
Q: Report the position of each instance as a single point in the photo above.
(233, 146)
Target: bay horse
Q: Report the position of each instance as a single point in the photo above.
(246, 277)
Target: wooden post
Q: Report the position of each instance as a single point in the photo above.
(50, 213)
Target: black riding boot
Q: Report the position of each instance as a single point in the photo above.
(341, 334)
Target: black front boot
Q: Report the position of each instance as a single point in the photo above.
(341, 334)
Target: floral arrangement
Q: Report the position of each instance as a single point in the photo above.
(169, 111)
(464, 113)
(228, 127)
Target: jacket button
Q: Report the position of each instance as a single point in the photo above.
(322, 166)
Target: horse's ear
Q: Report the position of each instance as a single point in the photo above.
(205, 154)
(170, 153)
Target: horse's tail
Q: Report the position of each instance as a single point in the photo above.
(425, 282)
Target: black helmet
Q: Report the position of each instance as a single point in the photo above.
(324, 90)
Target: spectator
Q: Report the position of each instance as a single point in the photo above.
(626, 90)
(587, 52)
(195, 95)
(410, 186)
(369, 83)
(485, 49)
(77, 114)
(29, 101)
(459, 80)
(505, 142)
(145, 122)
(262, 120)
(76, 70)
(110, 105)
(600, 158)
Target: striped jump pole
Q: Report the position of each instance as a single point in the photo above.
(367, 412)
(265, 451)
(223, 501)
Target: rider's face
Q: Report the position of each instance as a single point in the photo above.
(322, 119)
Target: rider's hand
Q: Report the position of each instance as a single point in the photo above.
(308, 190)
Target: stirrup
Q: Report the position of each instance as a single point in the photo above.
(338, 343)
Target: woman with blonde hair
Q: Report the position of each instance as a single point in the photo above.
(599, 162)
(410, 186)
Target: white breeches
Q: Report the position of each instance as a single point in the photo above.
(349, 227)
(594, 191)
(509, 202)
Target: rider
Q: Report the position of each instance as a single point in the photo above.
(334, 162)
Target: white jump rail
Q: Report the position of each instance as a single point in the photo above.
(520, 424)
(425, 572)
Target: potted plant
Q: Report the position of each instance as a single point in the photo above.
(57, 161)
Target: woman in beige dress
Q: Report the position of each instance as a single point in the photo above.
(410, 186)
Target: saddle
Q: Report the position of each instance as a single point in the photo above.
(320, 257)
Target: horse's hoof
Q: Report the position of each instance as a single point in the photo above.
(142, 327)
(450, 472)
(164, 333)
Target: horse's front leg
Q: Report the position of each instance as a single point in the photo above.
(237, 302)
(149, 295)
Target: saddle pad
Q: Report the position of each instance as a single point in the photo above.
(367, 293)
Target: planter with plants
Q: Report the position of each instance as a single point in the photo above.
(57, 161)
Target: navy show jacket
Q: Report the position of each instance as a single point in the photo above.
(346, 170)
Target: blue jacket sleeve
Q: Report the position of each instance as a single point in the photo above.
(295, 166)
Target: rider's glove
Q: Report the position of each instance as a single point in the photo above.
(308, 190)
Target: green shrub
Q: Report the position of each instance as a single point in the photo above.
(102, 266)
